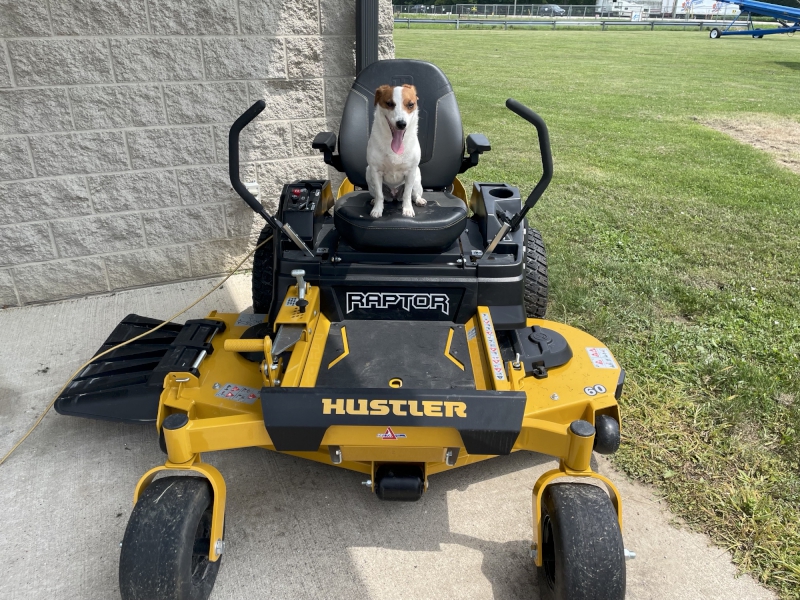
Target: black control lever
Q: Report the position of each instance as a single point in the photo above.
(233, 167)
(547, 171)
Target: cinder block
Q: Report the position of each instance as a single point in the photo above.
(279, 17)
(385, 47)
(70, 153)
(5, 74)
(189, 103)
(244, 58)
(203, 185)
(220, 256)
(146, 267)
(8, 296)
(242, 221)
(60, 62)
(385, 18)
(303, 133)
(31, 111)
(98, 17)
(336, 91)
(106, 107)
(193, 17)
(292, 99)
(42, 199)
(134, 191)
(170, 147)
(23, 18)
(338, 17)
(272, 176)
(96, 235)
(187, 224)
(60, 279)
(15, 162)
(156, 59)
(25, 243)
(260, 141)
(317, 56)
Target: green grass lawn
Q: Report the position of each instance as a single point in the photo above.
(672, 243)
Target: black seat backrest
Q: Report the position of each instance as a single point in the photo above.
(441, 137)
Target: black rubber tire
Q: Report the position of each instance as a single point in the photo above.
(714, 34)
(582, 550)
(535, 275)
(263, 265)
(158, 557)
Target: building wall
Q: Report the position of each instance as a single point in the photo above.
(113, 131)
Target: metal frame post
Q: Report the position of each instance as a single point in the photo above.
(366, 33)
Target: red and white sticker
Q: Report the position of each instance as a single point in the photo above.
(238, 393)
(495, 360)
(601, 358)
(389, 434)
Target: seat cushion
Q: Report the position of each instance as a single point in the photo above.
(435, 226)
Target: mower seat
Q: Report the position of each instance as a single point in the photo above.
(438, 224)
(434, 226)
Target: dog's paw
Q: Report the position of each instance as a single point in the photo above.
(408, 211)
(376, 213)
(420, 201)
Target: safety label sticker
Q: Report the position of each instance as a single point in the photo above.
(389, 434)
(239, 393)
(494, 352)
(292, 301)
(472, 333)
(248, 320)
(601, 358)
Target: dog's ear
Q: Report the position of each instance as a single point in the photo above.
(413, 90)
(381, 91)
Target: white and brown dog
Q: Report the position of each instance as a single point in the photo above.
(393, 151)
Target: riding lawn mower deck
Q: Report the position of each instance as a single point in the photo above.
(397, 347)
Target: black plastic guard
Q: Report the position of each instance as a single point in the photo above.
(125, 385)
(296, 421)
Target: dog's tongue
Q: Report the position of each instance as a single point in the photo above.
(397, 140)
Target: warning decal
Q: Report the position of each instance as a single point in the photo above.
(496, 361)
(389, 434)
(601, 358)
(239, 393)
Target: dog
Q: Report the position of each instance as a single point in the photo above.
(393, 150)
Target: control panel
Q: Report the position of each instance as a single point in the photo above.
(303, 206)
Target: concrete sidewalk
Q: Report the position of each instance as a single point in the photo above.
(294, 529)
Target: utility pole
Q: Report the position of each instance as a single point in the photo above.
(674, 8)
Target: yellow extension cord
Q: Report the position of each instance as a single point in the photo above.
(125, 343)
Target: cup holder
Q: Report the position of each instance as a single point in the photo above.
(501, 192)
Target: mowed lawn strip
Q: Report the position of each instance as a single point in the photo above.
(671, 242)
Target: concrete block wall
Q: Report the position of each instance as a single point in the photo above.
(114, 117)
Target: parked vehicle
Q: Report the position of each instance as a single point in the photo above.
(551, 10)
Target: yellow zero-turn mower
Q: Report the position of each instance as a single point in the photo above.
(396, 347)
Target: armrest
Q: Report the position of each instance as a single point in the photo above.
(477, 144)
(325, 142)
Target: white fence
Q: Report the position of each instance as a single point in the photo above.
(653, 9)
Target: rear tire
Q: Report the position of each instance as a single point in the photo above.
(263, 267)
(536, 283)
(582, 551)
(165, 548)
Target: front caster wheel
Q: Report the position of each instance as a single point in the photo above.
(582, 552)
(714, 34)
(166, 544)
